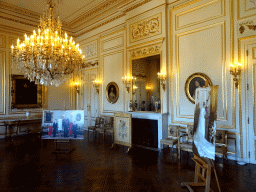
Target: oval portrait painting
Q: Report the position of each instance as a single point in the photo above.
(112, 92)
(195, 81)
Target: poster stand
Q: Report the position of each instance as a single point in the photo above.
(63, 146)
(203, 172)
(123, 130)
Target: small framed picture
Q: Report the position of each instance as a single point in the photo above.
(112, 92)
(48, 117)
(194, 81)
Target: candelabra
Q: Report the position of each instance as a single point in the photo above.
(162, 77)
(235, 70)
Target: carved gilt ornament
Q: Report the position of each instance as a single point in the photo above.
(147, 28)
(146, 51)
(249, 25)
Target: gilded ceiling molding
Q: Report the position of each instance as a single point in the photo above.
(249, 24)
(92, 12)
(149, 27)
(90, 64)
(18, 21)
(101, 24)
(23, 11)
(138, 5)
(146, 51)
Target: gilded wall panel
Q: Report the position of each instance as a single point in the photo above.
(2, 82)
(146, 28)
(112, 43)
(205, 12)
(112, 71)
(2, 41)
(246, 8)
(207, 55)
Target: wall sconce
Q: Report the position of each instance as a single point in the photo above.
(134, 89)
(96, 85)
(127, 81)
(235, 70)
(162, 77)
(76, 86)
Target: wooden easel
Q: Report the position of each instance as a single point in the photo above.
(66, 144)
(203, 172)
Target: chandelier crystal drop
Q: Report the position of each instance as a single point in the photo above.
(47, 56)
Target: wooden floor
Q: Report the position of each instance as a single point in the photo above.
(28, 164)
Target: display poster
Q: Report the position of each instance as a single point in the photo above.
(63, 124)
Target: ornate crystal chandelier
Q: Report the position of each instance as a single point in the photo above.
(48, 56)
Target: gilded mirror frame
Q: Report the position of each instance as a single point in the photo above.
(202, 80)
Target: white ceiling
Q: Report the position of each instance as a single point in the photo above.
(68, 9)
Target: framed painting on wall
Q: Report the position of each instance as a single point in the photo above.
(112, 92)
(25, 94)
(194, 81)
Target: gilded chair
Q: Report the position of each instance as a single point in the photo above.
(98, 122)
(187, 143)
(221, 144)
(172, 138)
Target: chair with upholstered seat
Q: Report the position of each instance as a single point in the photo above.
(108, 127)
(107, 124)
(97, 125)
(185, 145)
(172, 137)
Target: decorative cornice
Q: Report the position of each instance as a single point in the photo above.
(99, 25)
(146, 51)
(18, 21)
(135, 6)
(92, 12)
(23, 11)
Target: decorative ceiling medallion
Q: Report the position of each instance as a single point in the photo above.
(147, 28)
(146, 51)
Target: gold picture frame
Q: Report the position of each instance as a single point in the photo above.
(194, 81)
(112, 92)
(25, 94)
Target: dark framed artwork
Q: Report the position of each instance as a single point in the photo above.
(48, 117)
(194, 81)
(25, 94)
(112, 92)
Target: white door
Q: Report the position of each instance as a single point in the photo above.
(90, 97)
(251, 99)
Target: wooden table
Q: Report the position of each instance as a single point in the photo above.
(10, 124)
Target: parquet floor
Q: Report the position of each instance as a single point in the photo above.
(28, 164)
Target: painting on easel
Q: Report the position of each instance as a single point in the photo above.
(205, 122)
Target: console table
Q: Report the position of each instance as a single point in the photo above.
(10, 124)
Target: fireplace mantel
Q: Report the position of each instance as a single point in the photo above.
(162, 119)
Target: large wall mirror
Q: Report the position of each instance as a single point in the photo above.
(146, 90)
